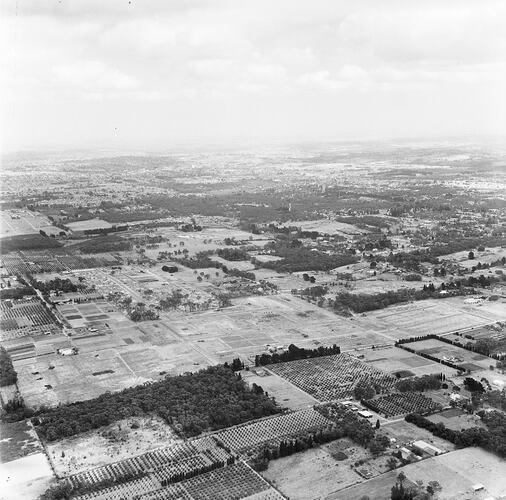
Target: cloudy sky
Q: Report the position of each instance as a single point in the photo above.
(154, 74)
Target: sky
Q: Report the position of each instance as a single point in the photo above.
(158, 73)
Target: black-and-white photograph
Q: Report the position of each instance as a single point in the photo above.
(252, 250)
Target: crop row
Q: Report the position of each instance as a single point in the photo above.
(178, 460)
(233, 482)
(273, 429)
(23, 314)
(332, 377)
(399, 404)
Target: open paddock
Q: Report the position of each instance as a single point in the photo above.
(380, 485)
(437, 316)
(459, 470)
(17, 440)
(441, 350)
(25, 477)
(18, 222)
(396, 360)
(246, 328)
(317, 472)
(286, 394)
(110, 444)
(457, 419)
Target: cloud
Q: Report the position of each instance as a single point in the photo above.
(93, 76)
(222, 66)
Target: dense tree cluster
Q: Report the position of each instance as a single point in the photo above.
(293, 353)
(473, 385)
(139, 312)
(420, 384)
(8, 374)
(349, 423)
(492, 439)
(411, 261)
(361, 302)
(27, 242)
(311, 291)
(58, 285)
(233, 254)
(297, 258)
(210, 399)
(107, 243)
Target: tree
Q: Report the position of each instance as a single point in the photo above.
(391, 463)
(470, 255)
(433, 487)
(363, 390)
(377, 424)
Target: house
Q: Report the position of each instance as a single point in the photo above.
(365, 414)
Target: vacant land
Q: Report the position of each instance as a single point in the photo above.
(396, 360)
(457, 419)
(441, 350)
(123, 439)
(438, 316)
(26, 477)
(18, 222)
(17, 440)
(459, 470)
(314, 473)
(285, 393)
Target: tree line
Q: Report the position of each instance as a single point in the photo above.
(293, 353)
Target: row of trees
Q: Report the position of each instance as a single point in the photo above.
(210, 399)
(8, 375)
(492, 439)
(293, 353)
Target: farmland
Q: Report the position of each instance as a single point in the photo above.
(118, 441)
(232, 257)
(331, 377)
(466, 359)
(23, 317)
(228, 482)
(272, 430)
(392, 405)
(321, 471)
